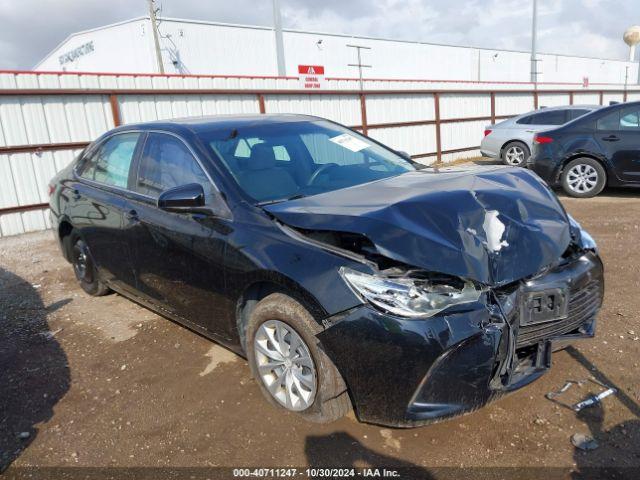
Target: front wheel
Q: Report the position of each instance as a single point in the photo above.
(85, 270)
(291, 368)
(583, 178)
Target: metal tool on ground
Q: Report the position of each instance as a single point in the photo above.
(587, 402)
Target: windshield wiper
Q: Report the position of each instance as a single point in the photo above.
(280, 200)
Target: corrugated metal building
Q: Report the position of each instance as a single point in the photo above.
(195, 47)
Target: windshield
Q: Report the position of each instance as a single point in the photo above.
(279, 161)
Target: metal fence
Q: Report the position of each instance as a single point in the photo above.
(47, 118)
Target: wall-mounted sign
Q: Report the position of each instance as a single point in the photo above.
(76, 53)
(311, 76)
(585, 82)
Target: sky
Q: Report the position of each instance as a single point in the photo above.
(32, 28)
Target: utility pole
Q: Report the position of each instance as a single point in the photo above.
(360, 65)
(626, 78)
(154, 30)
(534, 35)
(277, 27)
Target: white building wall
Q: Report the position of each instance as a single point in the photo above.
(194, 47)
(123, 47)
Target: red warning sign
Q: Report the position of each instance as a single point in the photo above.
(311, 76)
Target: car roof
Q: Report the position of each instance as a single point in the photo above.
(218, 122)
(561, 107)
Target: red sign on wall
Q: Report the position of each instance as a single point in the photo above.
(311, 70)
(311, 76)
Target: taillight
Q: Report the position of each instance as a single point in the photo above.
(52, 188)
(487, 132)
(542, 139)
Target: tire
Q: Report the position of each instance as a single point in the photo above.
(515, 154)
(276, 317)
(85, 270)
(583, 178)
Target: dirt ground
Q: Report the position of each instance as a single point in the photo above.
(102, 382)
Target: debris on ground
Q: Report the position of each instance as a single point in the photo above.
(584, 442)
(49, 334)
(587, 402)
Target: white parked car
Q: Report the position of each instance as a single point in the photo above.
(511, 140)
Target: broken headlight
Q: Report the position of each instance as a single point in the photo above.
(586, 240)
(407, 296)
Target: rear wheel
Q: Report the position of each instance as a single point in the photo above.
(291, 368)
(583, 178)
(515, 154)
(85, 270)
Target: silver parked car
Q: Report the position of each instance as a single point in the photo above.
(511, 140)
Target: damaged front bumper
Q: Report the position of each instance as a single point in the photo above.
(404, 373)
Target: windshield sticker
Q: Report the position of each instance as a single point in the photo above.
(349, 141)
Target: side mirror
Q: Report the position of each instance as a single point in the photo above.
(404, 155)
(184, 198)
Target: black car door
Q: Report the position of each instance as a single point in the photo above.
(179, 257)
(96, 206)
(618, 134)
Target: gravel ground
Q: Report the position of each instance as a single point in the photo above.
(102, 382)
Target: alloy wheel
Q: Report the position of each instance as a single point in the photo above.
(285, 365)
(515, 155)
(582, 178)
(80, 261)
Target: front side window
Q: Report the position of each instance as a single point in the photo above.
(620, 119)
(629, 120)
(111, 161)
(276, 161)
(166, 162)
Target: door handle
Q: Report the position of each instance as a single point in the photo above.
(132, 215)
(611, 138)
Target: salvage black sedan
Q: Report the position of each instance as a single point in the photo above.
(346, 273)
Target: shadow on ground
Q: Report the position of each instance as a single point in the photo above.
(34, 374)
(619, 445)
(345, 451)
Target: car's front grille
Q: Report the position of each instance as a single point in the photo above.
(583, 305)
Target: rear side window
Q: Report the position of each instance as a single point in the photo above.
(111, 162)
(166, 163)
(551, 117)
(525, 120)
(611, 121)
(577, 112)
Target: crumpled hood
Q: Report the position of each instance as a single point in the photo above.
(494, 225)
